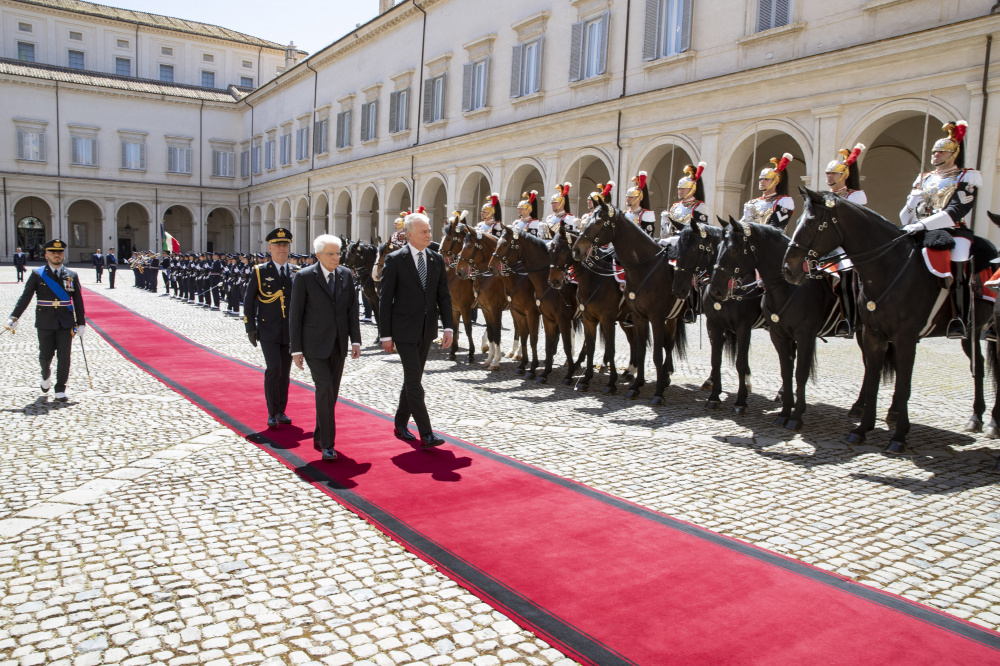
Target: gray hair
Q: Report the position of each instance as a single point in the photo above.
(324, 240)
(415, 217)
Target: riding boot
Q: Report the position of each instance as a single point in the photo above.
(691, 311)
(991, 331)
(958, 326)
(845, 327)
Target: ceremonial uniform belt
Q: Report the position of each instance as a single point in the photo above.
(54, 304)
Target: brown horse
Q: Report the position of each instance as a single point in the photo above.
(463, 296)
(601, 304)
(528, 255)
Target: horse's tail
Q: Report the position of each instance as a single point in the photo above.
(992, 366)
(681, 340)
(729, 346)
(577, 324)
(889, 366)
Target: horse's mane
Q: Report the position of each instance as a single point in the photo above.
(769, 232)
(686, 232)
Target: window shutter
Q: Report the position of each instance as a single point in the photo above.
(403, 119)
(365, 112)
(393, 112)
(124, 155)
(765, 9)
(41, 146)
(603, 53)
(686, 11)
(466, 87)
(20, 144)
(348, 127)
(171, 159)
(576, 51)
(93, 152)
(374, 120)
(340, 130)
(428, 100)
(142, 156)
(75, 144)
(215, 162)
(651, 30)
(782, 13)
(486, 81)
(538, 64)
(515, 70)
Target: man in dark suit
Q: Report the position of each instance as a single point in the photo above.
(58, 312)
(414, 291)
(97, 259)
(323, 315)
(265, 314)
(20, 261)
(112, 265)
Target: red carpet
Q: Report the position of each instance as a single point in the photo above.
(606, 581)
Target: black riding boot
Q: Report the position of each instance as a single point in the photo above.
(845, 327)
(691, 311)
(958, 326)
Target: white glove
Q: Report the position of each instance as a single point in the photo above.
(80, 330)
(11, 324)
(914, 227)
(747, 212)
(914, 200)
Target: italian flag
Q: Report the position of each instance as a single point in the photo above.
(170, 243)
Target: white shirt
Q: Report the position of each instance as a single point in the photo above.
(281, 268)
(414, 252)
(326, 276)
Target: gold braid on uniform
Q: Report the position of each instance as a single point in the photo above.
(268, 298)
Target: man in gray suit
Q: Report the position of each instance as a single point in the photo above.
(323, 314)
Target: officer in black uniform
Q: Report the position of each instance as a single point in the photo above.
(20, 261)
(265, 314)
(111, 263)
(97, 259)
(165, 264)
(58, 313)
(215, 280)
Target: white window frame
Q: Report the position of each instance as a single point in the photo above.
(204, 73)
(773, 14)
(246, 82)
(344, 122)
(255, 159)
(179, 158)
(133, 155)
(302, 143)
(270, 155)
(245, 163)
(285, 145)
(476, 85)
(667, 31)
(223, 163)
(399, 111)
(168, 67)
(435, 91)
(526, 68)
(589, 47)
(321, 136)
(31, 144)
(369, 121)
(118, 61)
(26, 45)
(70, 53)
(83, 150)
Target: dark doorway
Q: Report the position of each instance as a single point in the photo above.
(124, 249)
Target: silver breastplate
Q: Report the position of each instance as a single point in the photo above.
(936, 191)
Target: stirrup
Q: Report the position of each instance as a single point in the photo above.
(690, 317)
(844, 329)
(628, 321)
(991, 333)
(956, 329)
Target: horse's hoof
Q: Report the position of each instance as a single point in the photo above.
(657, 400)
(567, 381)
(891, 416)
(896, 447)
(542, 380)
(519, 371)
(856, 412)
(974, 425)
(707, 386)
(792, 424)
(780, 421)
(712, 404)
(608, 390)
(740, 410)
(581, 387)
(494, 368)
(631, 394)
(854, 438)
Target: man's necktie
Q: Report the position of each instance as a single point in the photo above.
(422, 269)
(329, 284)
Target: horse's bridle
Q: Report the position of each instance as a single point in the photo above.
(813, 257)
(477, 249)
(735, 281)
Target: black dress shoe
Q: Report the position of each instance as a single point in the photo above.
(283, 420)
(272, 421)
(404, 434)
(329, 454)
(429, 441)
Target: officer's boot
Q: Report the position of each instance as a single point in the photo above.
(845, 327)
(691, 310)
(958, 326)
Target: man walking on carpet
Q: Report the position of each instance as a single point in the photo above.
(97, 259)
(323, 315)
(58, 314)
(112, 264)
(414, 290)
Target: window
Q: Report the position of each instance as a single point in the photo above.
(248, 64)
(344, 129)
(223, 163)
(588, 49)
(772, 14)
(25, 52)
(31, 145)
(208, 79)
(167, 73)
(245, 164)
(75, 36)
(255, 159)
(76, 59)
(399, 111)
(269, 154)
(123, 67)
(302, 143)
(207, 57)
(369, 120)
(179, 159)
(84, 150)
(526, 69)
(122, 43)
(133, 155)
(246, 82)
(434, 99)
(321, 140)
(286, 149)
(166, 50)
(475, 82)
(24, 27)
(668, 28)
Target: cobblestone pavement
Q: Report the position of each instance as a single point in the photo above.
(133, 529)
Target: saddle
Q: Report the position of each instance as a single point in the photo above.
(939, 242)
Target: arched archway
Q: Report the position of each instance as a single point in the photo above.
(220, 230)
(342, 216)
(33, 220)
(300, 226)
(270, 222)
(398, 199)
(320, 218)
(284, 216)
(525, 177)
(434, 198)
(664, 165)
(84, 221)
(178, 221)
(243, 231)
(132, 223)
(256, 220)
(473, 192)
(369, 214)
(584, 173)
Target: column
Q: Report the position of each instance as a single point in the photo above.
(710, 136)
(826, 121)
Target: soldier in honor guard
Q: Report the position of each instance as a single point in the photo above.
(491, 218)
(689, 206)
(527, 214)
(165, 266)
(265, 314)
(97, 261)
(111, 263)
(560, 212)
(58, 314)
(636, 197)
(20, 261)
(843, 177)
(940, 200)
(773, 207)
(215, 280)
(398, 237)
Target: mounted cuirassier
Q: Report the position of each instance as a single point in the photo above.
(773, 206)
(636, 197)
(491, 218)
(940, 200)
(560, 212)
(689, 206)
(843, 177)
(527, 215)
(398, 237)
